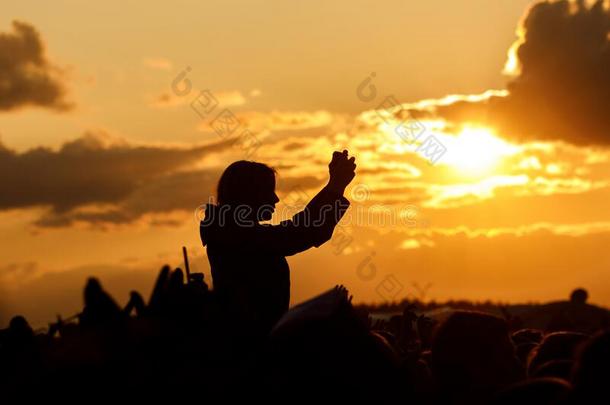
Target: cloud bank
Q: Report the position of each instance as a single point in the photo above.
(27, 78)
(561, 90)
(129, 179)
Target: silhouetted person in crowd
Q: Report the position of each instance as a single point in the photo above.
(539, 391)
(527, 336)
(135, 303)
(556, 348)
(473, 357)
(323, 349)
(577, 315)
(249, 269)
(591, 374)
(579, 296)
(100, 307)
(525, 341)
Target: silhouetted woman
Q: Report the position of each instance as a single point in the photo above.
(249, 269)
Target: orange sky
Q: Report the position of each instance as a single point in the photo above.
(512, 211)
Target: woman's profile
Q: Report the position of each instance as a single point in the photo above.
(248, 259)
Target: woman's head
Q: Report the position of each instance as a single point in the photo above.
(250, 184)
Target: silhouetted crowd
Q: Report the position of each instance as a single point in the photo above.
(179, 345)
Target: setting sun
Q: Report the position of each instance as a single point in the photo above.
(477, 151)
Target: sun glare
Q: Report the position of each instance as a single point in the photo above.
(477, 151)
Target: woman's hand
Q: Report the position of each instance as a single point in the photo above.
(342, 171)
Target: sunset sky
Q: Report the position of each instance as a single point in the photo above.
(106, 152)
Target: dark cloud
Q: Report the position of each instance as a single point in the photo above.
(99, 181)
(182, 191)
(563, 89)
(26, 76)
(129, 179)
(294, 146)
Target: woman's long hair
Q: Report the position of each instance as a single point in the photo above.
(241, 182)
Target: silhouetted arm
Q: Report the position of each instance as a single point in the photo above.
(311, 227)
